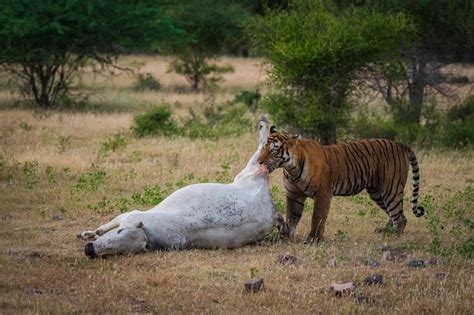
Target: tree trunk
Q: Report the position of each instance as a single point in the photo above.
(327, 134)
(416, 86)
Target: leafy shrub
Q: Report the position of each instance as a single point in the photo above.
(459, 131)
(451, 225)
(459, 134)
(146, 82)
(50, 176)
(249, 98)
(377, 127)
(114, 143)
(64, 143)
(90, 180)
(436, 130)
(217, 121)
(30, 173)
(155, 121)
(152, 195)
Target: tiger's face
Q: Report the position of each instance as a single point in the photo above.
(274, 153)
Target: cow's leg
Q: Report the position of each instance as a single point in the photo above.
(101, 230)
(115, 223)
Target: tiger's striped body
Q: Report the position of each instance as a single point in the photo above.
(320, 172)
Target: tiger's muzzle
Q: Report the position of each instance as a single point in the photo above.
(268, 165)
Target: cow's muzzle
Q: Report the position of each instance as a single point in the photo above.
(89, 251)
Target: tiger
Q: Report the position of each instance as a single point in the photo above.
(313, 170)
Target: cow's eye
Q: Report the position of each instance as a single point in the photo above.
(119, 231)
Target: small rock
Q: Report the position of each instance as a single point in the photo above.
(375, 279)
(364, 299)
(393, 254)
(416, 263)
(254, 285)
(287, 259)
(441, 275)
(36, 254)
(57, 217)
(436, 261)
(31, 290)
(372, 263)
(7, 217)
(332, 262)
(342, 288)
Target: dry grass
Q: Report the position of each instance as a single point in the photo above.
(44, 269)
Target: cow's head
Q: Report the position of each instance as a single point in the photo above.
(120, 241)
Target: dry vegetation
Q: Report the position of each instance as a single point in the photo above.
(54, 181)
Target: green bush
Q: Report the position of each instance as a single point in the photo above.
(114, 143)
(250, 98)
(454, 130)
(451, 224)
(375, 127)
(217, 121)
(459, 134)
(316, 57)
(155, 121)
(459, 131)
(146, 82)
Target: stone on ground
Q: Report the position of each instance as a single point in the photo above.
(416, 263)
(375, 279)
(393, 254)
(343, 288)
(287, 259)
(254, 285)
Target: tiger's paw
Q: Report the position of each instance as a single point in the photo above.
(387, 230)
(313, 240)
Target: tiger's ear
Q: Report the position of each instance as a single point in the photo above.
(292, 140)
(273, 129)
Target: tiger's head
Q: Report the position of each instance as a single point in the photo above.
(275, 152)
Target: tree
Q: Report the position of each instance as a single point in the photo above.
(209, 27)
(316, 58)
(44, 43)
(445, 34)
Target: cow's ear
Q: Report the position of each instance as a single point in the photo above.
(273, 129)
(139, 225)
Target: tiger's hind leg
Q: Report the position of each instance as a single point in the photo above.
(376, 196)
(394, 202)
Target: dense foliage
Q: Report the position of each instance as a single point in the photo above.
(44, 43)
(445, 34)
(206, 34)
(316, 57)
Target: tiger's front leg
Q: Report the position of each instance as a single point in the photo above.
(294, 211)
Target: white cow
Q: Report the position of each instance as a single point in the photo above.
(200, 216)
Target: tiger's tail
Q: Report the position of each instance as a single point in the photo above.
(418, 211)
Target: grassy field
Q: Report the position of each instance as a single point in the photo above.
(59, 175)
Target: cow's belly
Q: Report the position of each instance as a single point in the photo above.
(214, 215)
(228, 237)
